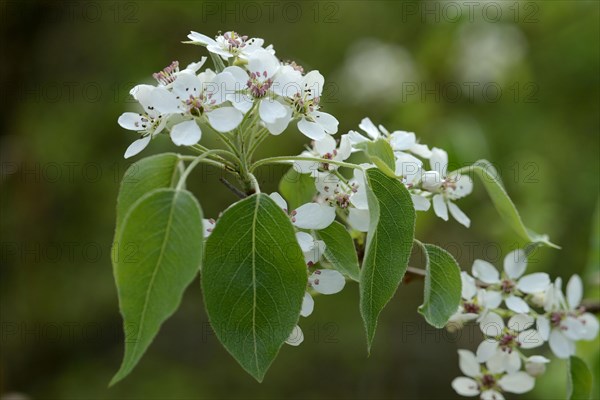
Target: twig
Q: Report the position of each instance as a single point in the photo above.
(234, 189)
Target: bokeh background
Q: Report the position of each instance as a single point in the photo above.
(513, 82)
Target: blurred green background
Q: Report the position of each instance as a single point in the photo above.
(513, 82)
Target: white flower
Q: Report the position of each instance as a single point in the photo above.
(512, 283)
(447, 188)
(400, 141)
(303, 94)
(536, 365)
(159, 104)
(229, 44)
(566, 322)
(325, 148)
(485, 384)
(475, 302)
(296, 337)
(312, 248)
(501, 349)
(327, 281)
(168, 75)
(307, 216)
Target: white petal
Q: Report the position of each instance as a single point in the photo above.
(327, 281)
(469, 289)
(305, 240)
(356, 138)
(280, 124)
(313, 216)
(561, 346)
(186, 133)
(468, 363)
(516, 304)
(486, 350)
(327, 121)
(497, 362)
(572, 328)
(345, 148)
(485, 272)
(533, 283)
(574, 292)
(431, 180)
(520, 322)
(271, 110)
(312, 84)
(420, 203)
(308, 304)
(491, 325)
(458, 215)
(543, 327)
(296, 337)
(538, 359)
(512, 362)
(591, 326)
(208, 225)
(421, 150)
(325, 145)
(465, 386)
(137, 146)
(313, 255)
(369, 127)
(439, 161)
(463, 186)
(162, 101)
(519, 382)
(491, 395)
(401, 140)
(225, 119)
(530, 339)
(131, 121)
(200, 38)
(489, 298)
(439, 207)
(515, 263)
(280, 201)
(359, 219)
(311, 129)
(187, 85)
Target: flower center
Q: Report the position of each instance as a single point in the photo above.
(167, 75)
(507, 342)
(507, 286)
(233, 42)
(303, 104)
(258, 85)
(200, 104)
(556, 318)
(471, 308)
(488, 381)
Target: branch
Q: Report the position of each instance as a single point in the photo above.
(234, 189)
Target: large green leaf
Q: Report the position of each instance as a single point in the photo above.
(165, 229)
(340, 250)
(297, 188)
(579, 385)
(389, 243)
(381, 154)
(253, 279)
(504, 205)
(143, 176)
(442, 286)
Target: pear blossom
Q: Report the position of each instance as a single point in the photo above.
(512, 283)
(312, 249)
(536, 365)
(229, 44)
(488, 385)
(328, 149)
(167, 75)
(446, 188)
(501, 349)
(400, 141)
(475, 302)
(566, 321)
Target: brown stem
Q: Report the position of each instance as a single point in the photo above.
(231, 187)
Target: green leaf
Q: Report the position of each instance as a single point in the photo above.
(504, 205)
(579, 384)
(143, 176)
(442, 286)
(340, 250)
(389, 243)
(164, 227)
(381, 154)
(297, 188)
(253, 280)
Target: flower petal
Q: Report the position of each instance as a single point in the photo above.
(519, 382)
(308, 304)
(465, 386)
(458, 214)
(530, 339)
(486, 350)
(516, 304)
(561, 346)
(310, 129)
(515, 263)
(359, 219)
(280, 201)
(225, 119)
(439, 161)
(420, 203)
(327, 281)
(468, 363)
(313, 216)
(491, 395)
(271, 110)
(491, 325)
(574, 292)
(439, 207)
(137, 146)
(186, 133)
(533, 283)
(520, 322)
(543, 327)
(469, 289)
(485, 272)
(296, 337)
(131, 121)
(327, 121)
(591, 326)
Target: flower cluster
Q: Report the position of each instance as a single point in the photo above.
(536, 310)
(183, 101)
(434, 184)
